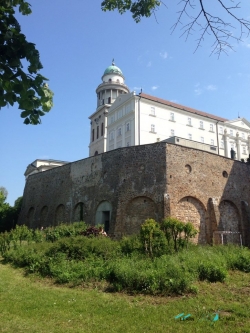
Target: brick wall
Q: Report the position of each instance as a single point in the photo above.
(150, 181)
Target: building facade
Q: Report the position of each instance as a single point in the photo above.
(112, 87)
(124, 119)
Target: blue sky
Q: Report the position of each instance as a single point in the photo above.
(78, 42)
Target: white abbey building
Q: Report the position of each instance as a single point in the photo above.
(124, 119)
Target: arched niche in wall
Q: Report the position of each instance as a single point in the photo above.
(79, 212)
(103, 214)
(43, 217)
(60, 214)
(30, 217)
(229, 222)
(190, 209)
(137, 211)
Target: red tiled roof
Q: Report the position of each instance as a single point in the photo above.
(181, 107)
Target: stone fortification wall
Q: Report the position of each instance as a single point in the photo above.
(123, 187)
(210, 191)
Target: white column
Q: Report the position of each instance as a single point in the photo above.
(225, 138)
(238, 144)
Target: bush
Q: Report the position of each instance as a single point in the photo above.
(211, 272)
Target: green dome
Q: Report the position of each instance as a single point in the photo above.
(113, 70)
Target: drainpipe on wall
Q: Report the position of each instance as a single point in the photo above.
(217, 134)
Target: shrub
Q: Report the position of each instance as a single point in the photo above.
(152, 238)
(211, 272)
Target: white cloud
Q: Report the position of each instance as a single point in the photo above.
(211, 87)
(197, 90)
(164, 55)
(149, 64)
(154, 87)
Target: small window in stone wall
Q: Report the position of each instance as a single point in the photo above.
(188, 168)
(224, 174)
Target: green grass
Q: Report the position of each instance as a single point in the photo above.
(37, 306)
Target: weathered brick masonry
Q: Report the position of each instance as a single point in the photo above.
(123, 187)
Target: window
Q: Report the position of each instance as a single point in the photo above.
(221, 130)
(97, 132)
(190, 136)
(93, 134)
(171, 132)
(211, 128)
(202, 139)
(111, 136)
(243, 135)
(189, 121)
(119, 131)
(127, 127)
(153, 128)
(201, 125)
(244, 149)
(102, 129)
(172, 116)
(119, 114)
(222, 144)
(152, 111)
(231, 133)
(212, 142)
(112, 119)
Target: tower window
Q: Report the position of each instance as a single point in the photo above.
(97, 132)
(102, 129)
(93, 134)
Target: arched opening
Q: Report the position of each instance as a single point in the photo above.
(30, 217)
(190, 209)
(43, 217)
(79, 212)
(137, 211)
(103, 215)
(60, 214)
(229, 230)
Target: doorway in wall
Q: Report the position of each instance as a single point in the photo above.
(105, 220)
(103, 215)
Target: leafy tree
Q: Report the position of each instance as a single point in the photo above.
(152, 238)
(189, 231)
(8, 214)
(201, 15)
(27, 88)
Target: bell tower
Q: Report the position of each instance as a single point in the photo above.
(111, 87)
